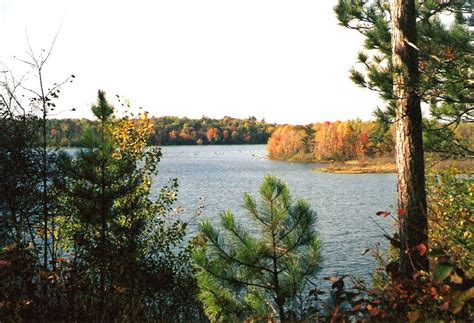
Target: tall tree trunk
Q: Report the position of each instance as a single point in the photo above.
(279, 297)
(44, 174)
(409, 145)
(103, 220)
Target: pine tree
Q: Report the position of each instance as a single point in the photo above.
(444, 47)
(244, 275)
(411, 55)
(411, 194)
(129, 260)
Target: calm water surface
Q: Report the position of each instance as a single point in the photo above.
(217, 177)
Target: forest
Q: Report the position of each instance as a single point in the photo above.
(357, 140)
(86, 236)
(172, 131)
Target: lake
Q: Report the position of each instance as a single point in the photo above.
(217, 176)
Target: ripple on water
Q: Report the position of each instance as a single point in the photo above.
(217, 176)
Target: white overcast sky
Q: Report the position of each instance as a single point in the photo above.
(285, 61)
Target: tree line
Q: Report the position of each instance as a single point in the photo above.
(357, 140)
(172, 131)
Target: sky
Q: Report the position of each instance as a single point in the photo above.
(284, 61)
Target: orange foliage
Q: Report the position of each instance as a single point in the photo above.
(337, 140)
(211, 134)
(340, 141)
(285, 142)
(184, 135)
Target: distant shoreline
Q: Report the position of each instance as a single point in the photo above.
(378, 165)
(387, 166)
(180, 145)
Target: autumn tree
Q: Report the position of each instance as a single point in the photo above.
(212, 135)
(286, 142)
(342, 140)
(339, 140)
(252, 275)
(325, 141)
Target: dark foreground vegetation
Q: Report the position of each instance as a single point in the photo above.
(82, 237)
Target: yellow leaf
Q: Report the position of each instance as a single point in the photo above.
(460, 299)
(455, 279)
(414, 316)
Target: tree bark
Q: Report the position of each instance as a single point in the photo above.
(279, 298)
(411, 194)
(44, 175)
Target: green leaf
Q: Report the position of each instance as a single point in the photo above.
(441, 272)
(435, 252)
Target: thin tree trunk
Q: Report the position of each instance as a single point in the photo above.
(409, 145)
(103, 225)
(102, 244)
(44, 172)
(279, 299)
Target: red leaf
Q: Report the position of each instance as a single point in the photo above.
(373, 311)
(383, 213)
(445, 306)
(373, 291)
(445, 288)
(421, 248)
(401, 212)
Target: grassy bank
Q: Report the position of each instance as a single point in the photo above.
(387, 165)
(366, 166)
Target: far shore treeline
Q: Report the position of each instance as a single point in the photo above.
(170, 130)
(321, 141)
